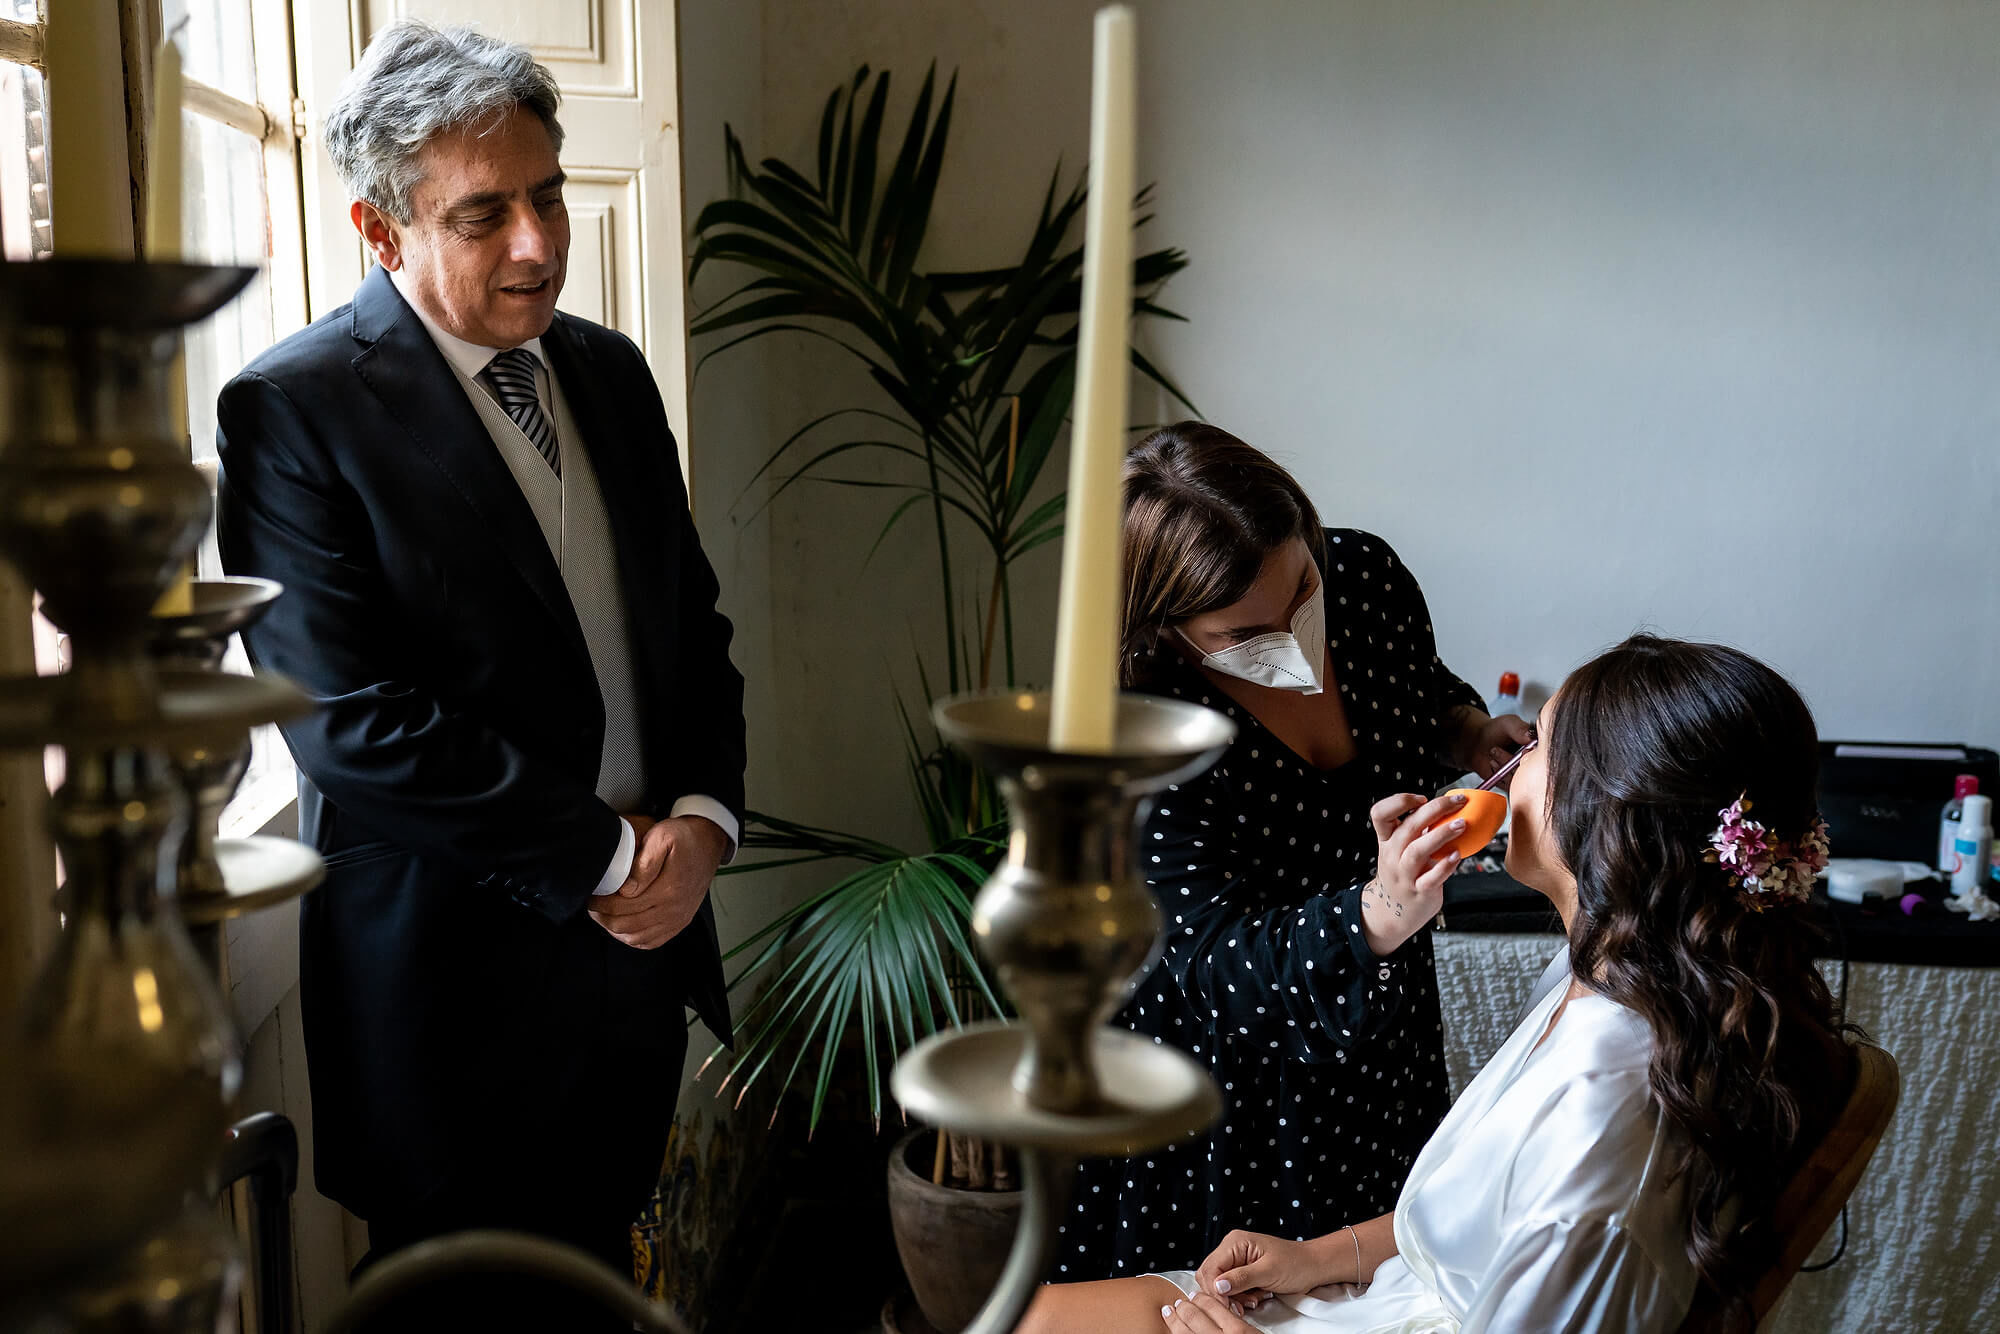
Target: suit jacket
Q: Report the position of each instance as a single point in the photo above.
(458, 1001)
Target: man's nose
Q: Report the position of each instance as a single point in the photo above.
(529, 240)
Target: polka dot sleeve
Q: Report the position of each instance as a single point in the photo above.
(1297, 978)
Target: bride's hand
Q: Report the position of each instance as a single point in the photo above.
(1413, 859)
(1204, 1313)
(1249, 1266)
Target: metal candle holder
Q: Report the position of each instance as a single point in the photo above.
(1069, 927)
(219, 878)
(123, 1068)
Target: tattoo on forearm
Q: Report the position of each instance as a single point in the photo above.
(1375, 888)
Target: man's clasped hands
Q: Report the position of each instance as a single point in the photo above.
(675, 863)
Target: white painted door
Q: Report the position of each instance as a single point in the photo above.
(615, 61)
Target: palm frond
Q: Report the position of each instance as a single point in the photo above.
(834, 253)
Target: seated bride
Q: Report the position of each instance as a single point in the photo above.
(1677, 1061)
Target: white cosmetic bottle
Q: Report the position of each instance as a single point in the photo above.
(1966, 785)
(1974, 846)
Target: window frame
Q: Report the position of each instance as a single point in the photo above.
(275, 120)
(21, 43)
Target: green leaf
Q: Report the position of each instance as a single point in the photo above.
(894, 212)
(807, 429)
(1045, 400)
(923, 191)
(833, 100)
(889, 524)
(863, 196)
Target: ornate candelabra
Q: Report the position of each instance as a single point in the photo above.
(123, 1067)
(1069, 926)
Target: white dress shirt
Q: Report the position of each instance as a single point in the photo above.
(549, 497)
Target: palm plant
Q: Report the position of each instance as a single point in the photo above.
(977, 371)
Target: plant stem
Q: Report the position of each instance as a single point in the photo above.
(999, 563)
(1007, 619)
(944, 561)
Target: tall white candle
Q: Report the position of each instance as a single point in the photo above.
(90, 195)
(1084, 708)
(163, 176)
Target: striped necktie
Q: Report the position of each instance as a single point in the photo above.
(512, 375)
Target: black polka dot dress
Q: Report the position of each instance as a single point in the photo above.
(1330, 1060)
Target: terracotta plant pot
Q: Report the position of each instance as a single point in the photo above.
(953, 1243)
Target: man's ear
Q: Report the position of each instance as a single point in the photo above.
(379, 232)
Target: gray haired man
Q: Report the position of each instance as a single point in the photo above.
(527, 760)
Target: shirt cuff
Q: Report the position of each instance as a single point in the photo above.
(717, 814)
(621, 860)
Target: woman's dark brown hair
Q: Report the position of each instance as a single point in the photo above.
(1203, 512)
(1647, 744)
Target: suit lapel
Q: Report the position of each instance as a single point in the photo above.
(403, 368)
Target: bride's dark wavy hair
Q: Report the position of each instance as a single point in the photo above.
(1647, 744)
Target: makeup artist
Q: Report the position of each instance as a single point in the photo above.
(1297, 875)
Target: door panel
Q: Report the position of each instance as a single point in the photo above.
(587, 44)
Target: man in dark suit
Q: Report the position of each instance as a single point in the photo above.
(527, 759)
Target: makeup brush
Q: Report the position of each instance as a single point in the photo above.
(1508, 767)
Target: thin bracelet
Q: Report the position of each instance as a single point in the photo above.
(1355, 1237)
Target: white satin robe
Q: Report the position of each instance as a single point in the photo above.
(1542, 1203)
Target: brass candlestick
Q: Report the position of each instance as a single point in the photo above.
(123, 1069)
(219, 878)
(209, 770)
(1069, 927)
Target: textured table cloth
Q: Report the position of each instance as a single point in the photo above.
(1924, 1224)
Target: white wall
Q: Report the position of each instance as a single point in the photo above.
(1608, 316)
(721, 56)
(1678, 315)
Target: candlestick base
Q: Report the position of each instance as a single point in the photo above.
(1068, 924)
(964, 1080)
(257, 872)
(180, 708)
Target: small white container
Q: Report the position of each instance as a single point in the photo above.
(1855, 879)
(1974, 846)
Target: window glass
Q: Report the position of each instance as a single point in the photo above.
(24, 161)
(215, 45)
(223, 221)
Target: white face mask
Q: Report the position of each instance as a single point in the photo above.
(1279, 660)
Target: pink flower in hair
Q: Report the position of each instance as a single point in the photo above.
(1766, 870)
(1816, 849)
(1740, 843)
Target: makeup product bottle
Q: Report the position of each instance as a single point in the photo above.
(1508, 700)
(1947, 861)
(1974, 846)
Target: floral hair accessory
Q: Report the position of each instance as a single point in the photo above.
(1765, 869)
